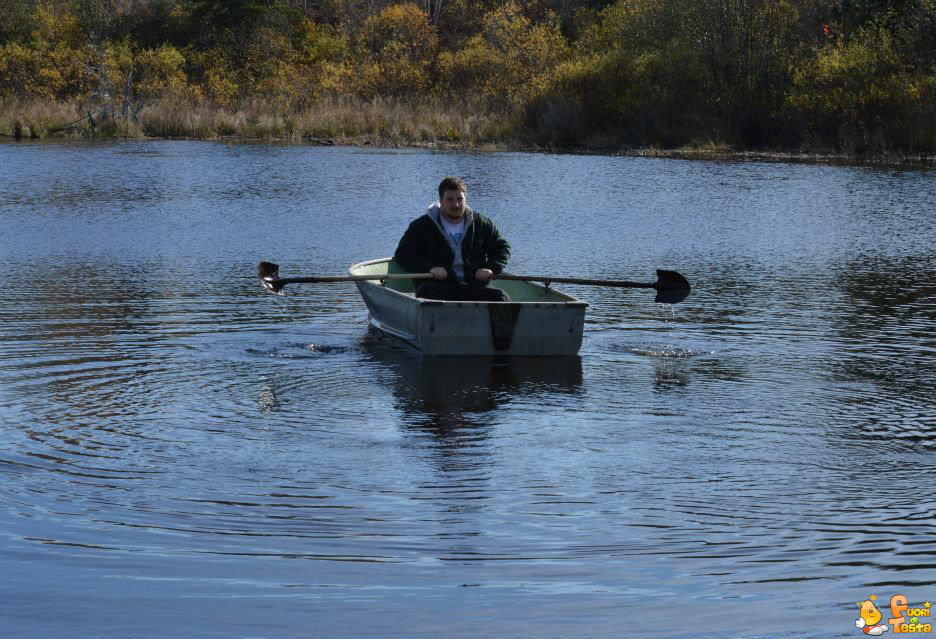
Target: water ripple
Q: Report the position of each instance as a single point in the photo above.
(172, 437)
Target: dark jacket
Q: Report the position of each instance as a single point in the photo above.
(424, 246)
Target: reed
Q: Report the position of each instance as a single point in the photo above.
(339, 120)
(389, 121)
(30, 118)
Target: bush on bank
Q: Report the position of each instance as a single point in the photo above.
(749, 74)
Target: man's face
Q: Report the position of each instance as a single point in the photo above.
(453, 205)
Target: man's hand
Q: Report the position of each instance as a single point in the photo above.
(439, 273)
(484, 274)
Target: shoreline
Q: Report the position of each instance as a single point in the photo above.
(877, 159)
(381, 123)
(713, 153)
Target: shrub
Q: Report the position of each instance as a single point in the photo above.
(856, 93)
(161, 71)
(396, 50)
(503, 63)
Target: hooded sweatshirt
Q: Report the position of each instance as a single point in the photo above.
(428, 243)
(454, 234)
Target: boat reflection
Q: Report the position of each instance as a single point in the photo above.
(447, 396)
(669, 376)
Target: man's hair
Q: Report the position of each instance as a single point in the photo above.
(452, 183)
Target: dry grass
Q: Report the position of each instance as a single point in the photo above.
(380, 122)
(181, 120)
(22, 118)
(351, 121)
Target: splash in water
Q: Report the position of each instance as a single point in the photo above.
(667, 351)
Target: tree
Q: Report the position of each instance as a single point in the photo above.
(502, 63)
(397, 48)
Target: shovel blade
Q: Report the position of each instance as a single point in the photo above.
(671, 296)
(269, 272)
(671, 287)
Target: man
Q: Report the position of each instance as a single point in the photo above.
(460, 247)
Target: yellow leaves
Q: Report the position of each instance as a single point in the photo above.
(220, 88)
(330, 78)
(532, 48)
(209, 71)
(53, 24)
(47, 63)
(403, 27)
(319, 62)
(621, 24)
(396, 47)
(475, 67)
(16, 69)
(857, 88)
(503, 62)
(161, 71)
(119, 58)
(319, 43)
(46, 72)
(851, 78)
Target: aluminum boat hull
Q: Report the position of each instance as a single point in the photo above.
(538, 321)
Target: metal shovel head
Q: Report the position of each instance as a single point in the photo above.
(268, 272)
(671, 296)
(671, 287)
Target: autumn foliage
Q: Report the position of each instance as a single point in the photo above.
(778, 74)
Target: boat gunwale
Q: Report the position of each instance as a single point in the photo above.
(573, 302)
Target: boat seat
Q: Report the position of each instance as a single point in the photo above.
(516, 291)
(403, 286)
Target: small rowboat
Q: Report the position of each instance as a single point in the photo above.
(538, 320)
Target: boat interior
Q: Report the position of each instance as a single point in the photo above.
(517, 291)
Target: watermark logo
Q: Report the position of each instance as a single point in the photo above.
(904, 618)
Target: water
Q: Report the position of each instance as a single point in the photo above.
(182, 454)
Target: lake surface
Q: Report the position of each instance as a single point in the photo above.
(184, 455)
